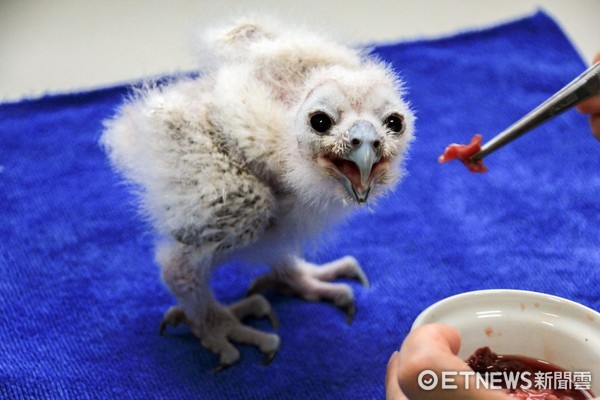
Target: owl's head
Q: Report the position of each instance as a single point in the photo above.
(352, 129)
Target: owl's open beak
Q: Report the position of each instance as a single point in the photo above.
(358, 169)
(364, 154)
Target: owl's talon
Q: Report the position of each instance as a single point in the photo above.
(350, 312)
(273, 320)
(255, 305)
(220, 368)
(361, 277)
(173, 316)
(260, 285)
(269, 357)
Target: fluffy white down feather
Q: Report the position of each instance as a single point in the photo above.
(228, 163)
(181, 143)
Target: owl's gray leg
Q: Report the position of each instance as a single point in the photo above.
(313, 283)
(217, 326)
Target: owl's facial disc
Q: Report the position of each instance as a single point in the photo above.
(359, 169)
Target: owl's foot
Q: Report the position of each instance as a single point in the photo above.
(313, 283)
(222, 326)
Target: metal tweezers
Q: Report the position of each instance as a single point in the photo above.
(585, 85)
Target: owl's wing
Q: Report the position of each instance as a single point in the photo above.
(191, 182)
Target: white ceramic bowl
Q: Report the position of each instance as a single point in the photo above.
(524, 323)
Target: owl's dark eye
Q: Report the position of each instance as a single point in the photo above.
(321, 122)
(395, 123)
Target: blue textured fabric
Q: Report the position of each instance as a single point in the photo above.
(81, 297)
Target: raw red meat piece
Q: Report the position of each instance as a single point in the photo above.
(485, 360)
(463, 152)
(533, 394)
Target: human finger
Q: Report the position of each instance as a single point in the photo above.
(392, 386)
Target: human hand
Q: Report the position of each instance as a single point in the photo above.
(431, 347)
(591, 106)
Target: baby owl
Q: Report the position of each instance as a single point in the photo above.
(282, 133)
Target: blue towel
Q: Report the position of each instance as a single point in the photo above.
(80, 294)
